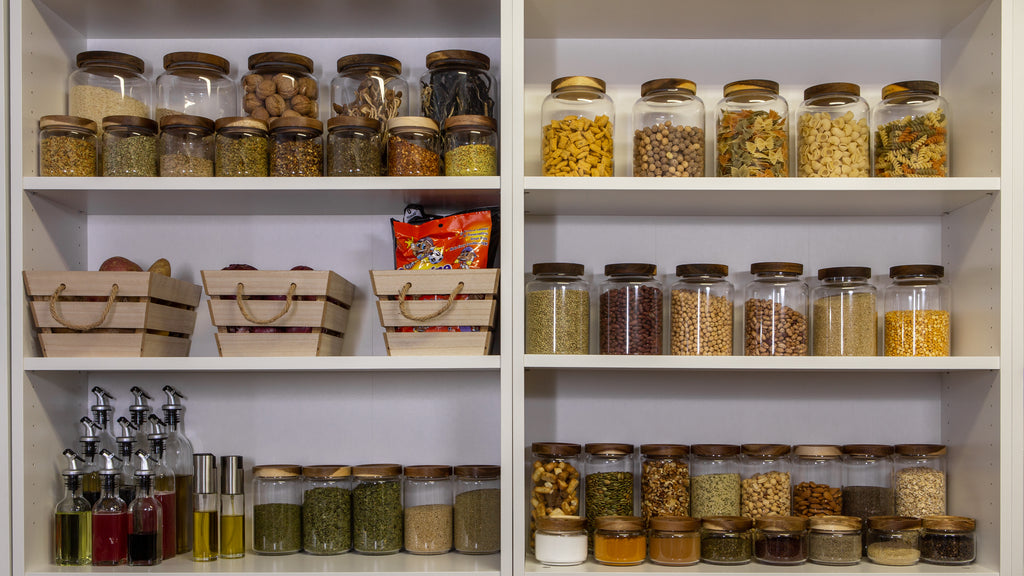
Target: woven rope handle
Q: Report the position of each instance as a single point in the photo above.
(80, 327)
(240, 298)
(405, 312)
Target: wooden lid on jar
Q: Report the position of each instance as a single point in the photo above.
(834, 523)
(776, 267)
(917, 270)
(681, 84)
(108, 57)
(844, 88)
(631, 269)
(263, 58)
(625, 523)
(910, 86)
(428, 471)
(247, 122)
(285, 123)
(702, 270)
(353, 122)
(560, 268)
(894, 523)
(470, 121)
(844, 272)
(478, 471)
(186, 121)
(714, 450)
(727, 523)
(665, 450)
(744, 85)
(134, 121)
(370, 61)
(781, 523)
(949, 523)
(609, 449)
(327, 471)
(55, 120)
(468, 57)
(556, 449)
(561, 523)
(876, 450)
(811, 451)
(674, 523)
(920, 449)
(276, 471)
(376, 470)
(420, 122)
(765, 449)
(578, 82)
(175, 59)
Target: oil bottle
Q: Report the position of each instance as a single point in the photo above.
(102, 415)
(163, 484)
(139, 413)
(232, 507)
(206, 545)
(145, 532)
(125, 451)
(90, 442)
(109, 517)
(179, 458)
(72, 535)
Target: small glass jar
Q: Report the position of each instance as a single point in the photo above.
(609, 482)
(277, 509)
(664, 481)
(428, 509)
(726, 540)
(67, 146)
(702, 311)
(279, 82)
(243, 147)
(894, 540)
(109, 84)
(674, 540)
(353, 146)
(911, 112)
(780, 540)
(917, 312)
(833, 137)
(948, 540)
(834, 540)
(775, 310)
(631, 310)
(326, 509)
(620, 541)
(413, 147)
(477, 509)
(554, 463)
(470, 146)
(558, 310)
(186, 146)
(920, 479)
(668, 129)
(817, 480)
(560, 540)
(752, 130)
(369, 86)
(457, 82)
(844, 321)
(296, 147)
(714, 480)
(867, 481)
(765, 480)
(129, 146)
(578, 120)
(377, 509)
(197, 84)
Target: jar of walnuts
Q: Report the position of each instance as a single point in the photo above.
(280, 84)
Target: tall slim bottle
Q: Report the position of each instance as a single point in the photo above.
(139, 413)
(90, 442)
(126, 452)
(232, 507)
(72, 518)
(102, 415)
(205, 505)
(179, 458)
(145, 531)
(163, 485)
(109, 517)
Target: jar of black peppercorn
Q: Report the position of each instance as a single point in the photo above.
(369, 86)
(277, 509)
(470, 146)
(242, 147)
(296, 146)
(948, 540)
(129, 146)
(67, 146)
(353, 146)
(631, 310)
(186, 146)
(775, 310)
(280, 82)
(456, 82)
(781, 540)
(377, 512)
(714, 480)
(609, 482)
(477, 509)
(558, 310)
(327, 509)
(413, 147)
(725, 540)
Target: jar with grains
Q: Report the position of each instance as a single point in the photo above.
(377, 512)
(280, 84)
(428, 509)
(775, 310)
(554, 482)
(920, 479)
(911, 126)
(620, 541)
(129, 146)
(296, 147)
(702, 311)
(457, 82)
(631, 310)
(674, 540)
(477, 509)
(752, 130)
(561, 540)
(664, 480)
(413, 147)
(558, 309)
(578, 120)
(765, 480)
(668, 129)
(917, 312)
(867, 481)
(326, 509)
(893, 540)
(834, 540)
(277, 509)
(109, 84)
(817, 480)
(948, 540)
(353, 146)
(833, 136)
(470, 146)
(780, 540)
(609, 482)
(198, 84)
(243, 147)
(67, 146)
(726, 540)
(369, 86)
(714, 480)
(187, 146)
(844, 321)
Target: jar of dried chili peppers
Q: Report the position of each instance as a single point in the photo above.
(752, 130)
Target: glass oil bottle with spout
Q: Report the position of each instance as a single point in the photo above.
(125, 451)
(139, 412)
(163, 485)
(72, 523)
(90, 442)
(232, 507)
(179, 458)
(205, 506)
(145, 524)
(109, 517)
(102, 413)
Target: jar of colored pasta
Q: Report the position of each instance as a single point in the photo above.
(917, 306)
(578, 120)
(752, 130)
(725, 540)
(675, 540)
(833, 137)
(911, 126)
(620, 541)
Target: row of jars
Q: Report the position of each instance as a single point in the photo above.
(376, 509)
(184, 145)
(781, 316)
(752, 130)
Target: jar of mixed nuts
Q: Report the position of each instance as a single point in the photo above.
(714, 480)
(198, 84)
(775, 310)
(609, 482)
(428, 509)
(578, 120)
(674, 540)
(911, 112)
(243, 147)
(917, 312)
(668, 129)
(833, 138)
(277, 509)
(296, 146)
(920, 479)
(369, 86)
(109, 83)
(780, 540)
(894, 540)
(413, 147)
(620, 541)
(726, 540)
(129, 146)
(834, 540)
(664, 480)
(558, 310)
(457, 82)
(631, 310)
(554, 464)
(752, 130)
(470, 146)
(867, 481)
(279, 82)
(845, 317)
(327, 509)
(765, 480)
(561, 540)
(67, 146)
(377, 512)
(702, 311)
(948, 540)
(817, 480)
(477, 509)
(186, 146)
(353, 146)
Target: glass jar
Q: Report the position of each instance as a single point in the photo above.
(186, 146)
(129, 146)
(413, 147)
(428, 509)
(702, 311)
(243, 147)
(554, 463)
(278, 82)
(917, 312)
(664, 480)
(631, 310)
(326, 509)
(609, 482)
(197, 84)
(834, 540)
(911, 112)
(714, 480)
(668, 129)
(948, 540)
(867, 481)
(470, 146)
(353, 146)
(457, 82)
(920, 479)
(296, 147)
(833, 137)
(765, 480)
(726, 540)
(477, 509)
(578, 119)
(780, 540)
(109, 84)
(560, 540)
(277, 509)
(369, 86)
(67, 146)
(894, 540)
(377, 509)
(775, 310)
(620, 541)
(817, 480)
(558, 310)
(674, 540)
(752, 130)
(845, 316)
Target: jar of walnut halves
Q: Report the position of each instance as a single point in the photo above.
(554, 482)
(279, 84)
(664, 480)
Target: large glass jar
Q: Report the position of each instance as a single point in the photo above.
(775, 310)
(243, 147)
(327, 509)
(919, 472)
(780, 540)
(413, 147)
(917, 312)
(377, 509)
(109, 84)
(948, 540)
(702, 311)
(187, 146)
(664, 480)
(631, 310)
(844, 321)
(470, 146)
(620, 541)
(752, 130)
(726, 540)
(353, 146)
(477, 509)
(894, 540)
(67, 146)
(910, 113)
(457, 82)
(674, 540)
(609, 482)
(765, 480)
(428, 509)
(668, 129)
(714, 480)
(558, 310)
(833, 136)
(867, 481)
(129, 146)
(369, 86)
(817, 480)
(554, 464)
(279, 82)
(578, 120)
(198, 84)
(277, 509)
(834, 540)
(560, 540)
(296, 147)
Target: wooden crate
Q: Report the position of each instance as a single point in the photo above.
(150, 315)
(476, 312)
(312, 321)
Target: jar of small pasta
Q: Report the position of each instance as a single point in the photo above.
(668, 129)
(752, 130)
(833, 138)
(911, 126)
(917, 305)
(578, 121)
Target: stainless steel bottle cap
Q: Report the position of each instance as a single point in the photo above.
(232, 480)
(206, 473)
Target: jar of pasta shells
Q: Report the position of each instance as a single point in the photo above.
(910, 127)
(833, 137)
(279, 84)
(752, 130)
(668, 129)
(369, 86)
(578, 128)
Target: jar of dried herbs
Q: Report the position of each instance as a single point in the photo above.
(377, 512)
(457, 82)
(911, 126)
(327, 509)
(413, 147)
(243, 147)
(578, 124)
(67, 146)
(353, 146)
(196, 83)
(109, 83)
(844, 320)
(817, 480)
(558, 309)
(668, 130)
(920, 479)
(428, 509)
(780, 540)
(664, 480)
(277, 509)
(948, 540)
(129, 146)
(186, 146)
(609, 482)
(834, 540)
(280, 82)
(765, 480)
(369, 86)
(726, 540)
(894, 540)
(833, 137)
(714, 480)
(752, 130)
(555, 464)
(296, 147)
(477, 509)
(470, 146)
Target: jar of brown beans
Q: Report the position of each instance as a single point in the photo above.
(631, 310)
(775, 310)
(701, 311)
(668, 129)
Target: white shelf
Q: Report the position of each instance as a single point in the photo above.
(762, 364)
(305, 364)
(865, 567)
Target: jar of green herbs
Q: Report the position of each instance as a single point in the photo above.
(277, 509)
(377, 509)
(470, 146)
(129, 146)
(326, 509)
(242, 147)
(353, 146)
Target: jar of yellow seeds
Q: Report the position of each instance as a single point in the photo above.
(917, 305)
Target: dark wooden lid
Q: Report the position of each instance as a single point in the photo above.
(264, 58)
(894, 523)
(135, 121)
(917, 270)
(631, 269)
(296, 123)
(428, 471)
(665, 450)
(910, 86)
(556, 449)
(702, 270)
(369, 61)
(186, 121)
(744, 85)
(470, 121)
(276, 471)
(55, 120)
(714, 450)
(619, 523)
(478, 471)
(846, 88)
(609, 449)
(175, 59)
(561, 268)
(948, 523)
(781, 523)
(578, 82)
(674, 523)
(327, 471)
(765, 449)
(681, 84)
(108, 57)
(920, 449)
(776, 267)
(844, 272)
(353, 122)
(727, 523)
(467, 57)
(376, 470)
(876, 450)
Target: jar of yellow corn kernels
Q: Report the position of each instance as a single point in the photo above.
(833, 138)
(917, 306)
(578, 118)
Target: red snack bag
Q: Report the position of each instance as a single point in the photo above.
(459, 241)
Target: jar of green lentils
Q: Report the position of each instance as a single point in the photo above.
(67, 146)
(470, 146)
(129, 146)
(242, 146)
(558, 310)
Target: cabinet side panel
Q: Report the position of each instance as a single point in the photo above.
(970, 253)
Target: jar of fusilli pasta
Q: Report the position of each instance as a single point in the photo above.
(911, 131)
(833, 137)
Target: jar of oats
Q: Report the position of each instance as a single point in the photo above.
(917, 306)
(920, 479)
(668, 129)
(702, 311)
(833, 138)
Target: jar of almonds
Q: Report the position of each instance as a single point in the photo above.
(280, 84)
(668, 129)
(578, 120)
(833, 138)
(817, 480)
